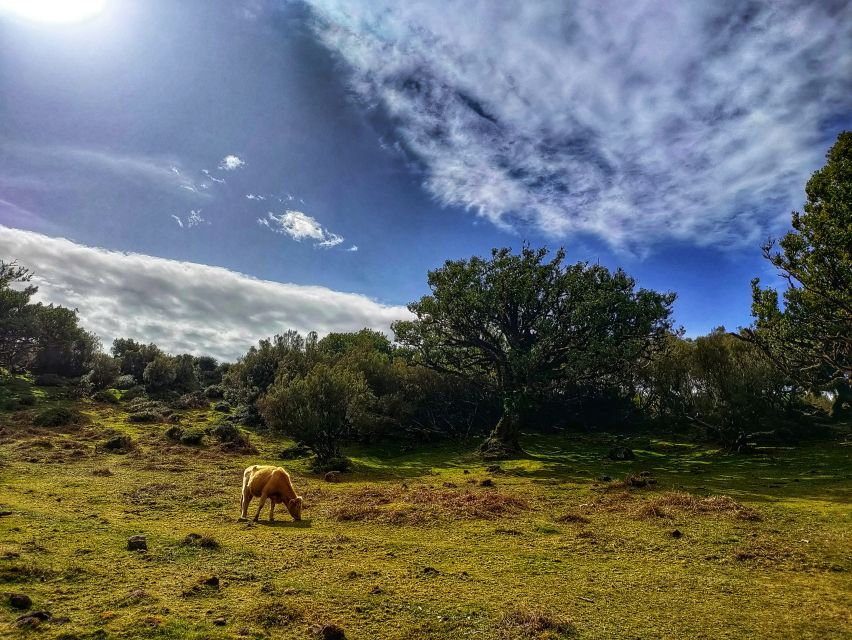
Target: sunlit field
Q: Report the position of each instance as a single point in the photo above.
(682, 542)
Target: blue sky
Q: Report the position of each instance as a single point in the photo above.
(351, 146)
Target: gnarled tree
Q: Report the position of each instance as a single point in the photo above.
(521, 322)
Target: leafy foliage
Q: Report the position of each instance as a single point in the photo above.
(811, 337)
(520, 323)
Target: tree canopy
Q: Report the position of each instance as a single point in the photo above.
(521, 322)
(810, 335)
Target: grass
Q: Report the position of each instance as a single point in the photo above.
(411, 545)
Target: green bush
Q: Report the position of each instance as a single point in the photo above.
(214, 392)
(133, 393)
(194, 400)
(192, 437)
(226, 432)
(174, 433)
(27, 401)
(118, 444)
(104, 370)
(337, 463)
(125, 382)
(108, 396)
(49, 380)
(160, 373)
(223, 407)
(55, 417)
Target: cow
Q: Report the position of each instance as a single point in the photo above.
(263, 481)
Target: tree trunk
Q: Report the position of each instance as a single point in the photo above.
(842, 404)
(503, 441)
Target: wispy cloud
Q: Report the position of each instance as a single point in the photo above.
(300, 226)
(67, 164)
(212, 177)
(353, 248)
(636, 122)
(231, 163)
(183, 306)
(193, 219)
(254, 196)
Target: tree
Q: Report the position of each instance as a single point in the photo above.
(18, 321)
(186, 379)
(63, 347)
(160, 373)
(104, 370)
(319, 409)
(811, 337)
(134, 356)
(520, 323)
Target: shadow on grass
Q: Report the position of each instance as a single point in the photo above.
(284, 524)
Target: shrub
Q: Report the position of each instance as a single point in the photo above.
(194, 400)
(118, 444)
(107, 396)
(159, 374)
(214, 392)
(174, 433)
(225, 432)
(125, 382)
(55, 417)
(336, 463)
(224, 407)
(133, 393)
(104, 370)
(192, 437)
(49, 380)
(27, 401)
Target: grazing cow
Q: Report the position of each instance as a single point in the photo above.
(263, 481)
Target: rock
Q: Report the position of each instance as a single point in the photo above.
(212, 581)
(332, 476)
(494, 468)
(465, 472)
(488, 482)
(332, 632)
(31, 620)
(621, 453)
(20, 601)
(137, 543)
(118, 444)
(5, 513)
(677, 533)
(220, 622)
(138, 594)
(60, 620)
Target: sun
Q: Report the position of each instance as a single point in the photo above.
(53, 10)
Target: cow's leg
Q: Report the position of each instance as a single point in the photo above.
(272, 511)
(263, 497)
(244, 502)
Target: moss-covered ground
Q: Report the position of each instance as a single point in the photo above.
(412, 545)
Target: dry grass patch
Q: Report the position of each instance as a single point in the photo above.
(418, 505)
(670, 503)
(527, 623)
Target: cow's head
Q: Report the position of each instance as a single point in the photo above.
(294, 506)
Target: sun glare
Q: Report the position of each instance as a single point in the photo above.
(53, 10)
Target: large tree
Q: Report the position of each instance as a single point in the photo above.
(522, 322)
(810, 335)
(19, 327)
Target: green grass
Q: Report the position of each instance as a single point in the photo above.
(428, 552)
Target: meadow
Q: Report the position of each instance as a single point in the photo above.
(684, 541)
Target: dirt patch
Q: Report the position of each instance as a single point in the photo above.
(418, 505)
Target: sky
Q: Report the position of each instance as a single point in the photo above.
(206, 173)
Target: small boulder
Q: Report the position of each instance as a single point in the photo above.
(677, 533)
(621, 453)
(20, 601)
(137, 543)
(219, 622)
(333, 476)
(332, 632)
(212, 582)
(488, 482)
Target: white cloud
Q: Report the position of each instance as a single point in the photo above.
(636, 121)
(354, 247)
(212, 177)
(193, 219)
(62, 164)
(183, 306)
(253, 196)
(300, 226)
(231, 162)
(178, 220)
